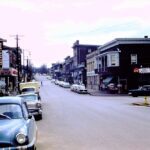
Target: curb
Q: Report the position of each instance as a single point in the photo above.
(106, 94)
(141, 104)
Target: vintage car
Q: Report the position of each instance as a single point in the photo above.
(64, 84)
(33, 103)
(30, 87)
(74, 87)
(79, 88)
(141, 91)
(18, 128)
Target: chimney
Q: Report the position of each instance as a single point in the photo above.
(146, 37)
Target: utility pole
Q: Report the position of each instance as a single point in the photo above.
(18, 67)
(27, 68)
(17, 60)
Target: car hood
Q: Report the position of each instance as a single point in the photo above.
(9, 129)
(134, 90)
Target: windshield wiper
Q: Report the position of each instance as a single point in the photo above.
(4, 116)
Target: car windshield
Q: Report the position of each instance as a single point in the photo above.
(29, 97)
(28, 90)
(10, 111)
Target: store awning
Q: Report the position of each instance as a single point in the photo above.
(107, 80)
(8, 72)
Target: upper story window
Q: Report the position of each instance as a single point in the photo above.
(133, 58)
(113, 59)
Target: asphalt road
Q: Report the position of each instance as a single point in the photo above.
(82, 122)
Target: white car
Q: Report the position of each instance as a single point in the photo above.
(74, 87)
(66, 84)
(33, 103)
(81, 89)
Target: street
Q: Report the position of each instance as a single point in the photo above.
(74, 121)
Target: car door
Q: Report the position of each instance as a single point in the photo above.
(145, 91)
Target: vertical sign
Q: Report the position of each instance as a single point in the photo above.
(0, 54)
(5, 59)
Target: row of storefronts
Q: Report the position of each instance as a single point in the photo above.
(117, 66)
(123, 64)
(10, 67)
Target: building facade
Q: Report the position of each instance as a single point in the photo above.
(79, 59)
(9, 67)
(124, 64)
(92, 72)
(56, 71)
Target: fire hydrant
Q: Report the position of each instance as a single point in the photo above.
(145, 101)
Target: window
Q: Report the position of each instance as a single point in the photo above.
(25, 110)
(12, 111)
(113, 59)
(133, 58)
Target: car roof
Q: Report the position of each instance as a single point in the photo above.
(26, 94)
(29, 87)
(11, 99)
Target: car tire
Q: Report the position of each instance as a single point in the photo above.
(40, 117)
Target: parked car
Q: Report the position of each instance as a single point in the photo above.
(79, 88)
(34, 104)
(141, 91)
(33, 86)
(30, 87)
(18, 128)
(64, 84)
(74, 87)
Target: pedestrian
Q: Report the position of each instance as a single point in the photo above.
(41, 83)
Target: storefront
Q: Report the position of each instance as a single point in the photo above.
(143, 75)
(10, 78)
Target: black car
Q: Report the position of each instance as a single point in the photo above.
(141, 91)
(18, 129)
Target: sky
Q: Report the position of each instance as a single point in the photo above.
(47, 29)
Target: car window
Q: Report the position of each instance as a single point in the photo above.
(145, 88)
(25, 110)
(13, 111)
(29, 97)
(28, 90)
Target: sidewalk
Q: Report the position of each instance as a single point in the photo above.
(103, 93)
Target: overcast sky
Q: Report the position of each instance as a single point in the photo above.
(48, 28)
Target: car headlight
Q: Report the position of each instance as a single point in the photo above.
(21, 138)
(38, 105)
